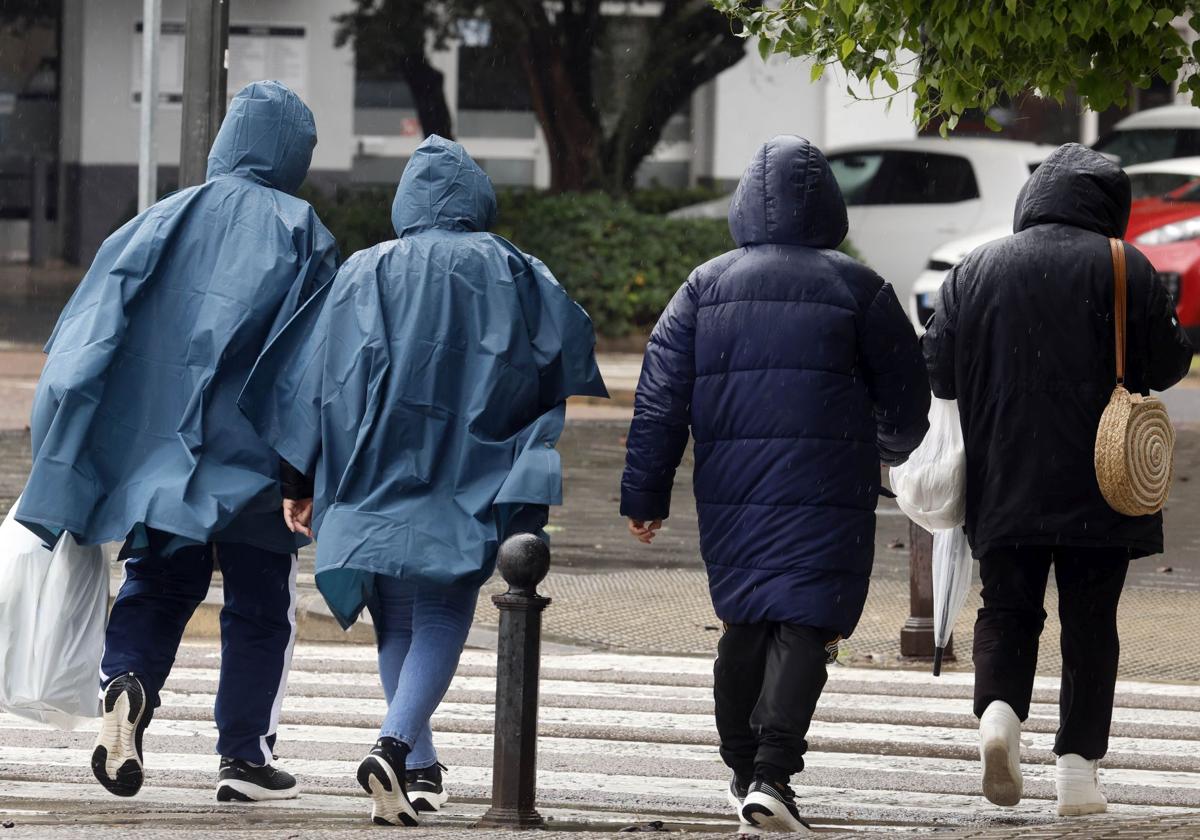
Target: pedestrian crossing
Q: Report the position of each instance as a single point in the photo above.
(627, 739)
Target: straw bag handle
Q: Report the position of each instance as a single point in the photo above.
(1120, 303)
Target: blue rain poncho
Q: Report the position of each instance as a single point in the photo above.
(135, 421)
(424, 390)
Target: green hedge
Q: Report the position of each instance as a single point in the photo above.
(622, 264)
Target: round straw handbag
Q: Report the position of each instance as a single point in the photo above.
(1136, 441)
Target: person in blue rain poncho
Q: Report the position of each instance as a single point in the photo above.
(422, 393)
(137, 436)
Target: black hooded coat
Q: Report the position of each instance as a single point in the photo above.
(1023, 337)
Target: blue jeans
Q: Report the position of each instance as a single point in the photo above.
(420, 632)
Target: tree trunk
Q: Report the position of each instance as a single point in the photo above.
(428, 87)
(689, 46)
(570, 123)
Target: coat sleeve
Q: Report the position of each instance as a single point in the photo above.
(318, 265)
(938, 342)
(1170, 351)
(282, 398)
(896, 378)
(93, 323)
(560, 331)
(662, 410)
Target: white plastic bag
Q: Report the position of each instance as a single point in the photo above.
(53, 605)
(931, 486)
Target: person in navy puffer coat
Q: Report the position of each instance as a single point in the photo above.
(798, 373)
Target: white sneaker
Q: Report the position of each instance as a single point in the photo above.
(1078, 785)
(1000, 750)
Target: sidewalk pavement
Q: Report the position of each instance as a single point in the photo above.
(611, 593)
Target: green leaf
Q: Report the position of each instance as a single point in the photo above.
(764, 48)
(847, 47)
(890, 78)
(818, 71)
(991, 123)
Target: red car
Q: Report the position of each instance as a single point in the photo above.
(1167, 230)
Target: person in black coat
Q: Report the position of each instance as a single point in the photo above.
(1023, 337)
(798, 373)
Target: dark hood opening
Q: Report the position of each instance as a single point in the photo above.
(267, 137)
(1075, 186)
(442, 187)
(788, 196)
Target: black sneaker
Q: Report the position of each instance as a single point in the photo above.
(117, 758)
(382, 775)
(771, 806)
(241, 781)
(737, 794)
(425, 789)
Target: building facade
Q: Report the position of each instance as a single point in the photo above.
(367, 126)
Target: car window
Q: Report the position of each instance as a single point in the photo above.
(1150, 184)
(924, 178)
(855, 172)
(1146, 145)
(1189, 192)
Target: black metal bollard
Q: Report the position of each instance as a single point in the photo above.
(916, 637)
(524, 561)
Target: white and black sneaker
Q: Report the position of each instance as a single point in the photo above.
(241, 781)
(425, 790)
(117, 758)
(382, 776)
(737, 795)
(771, 806)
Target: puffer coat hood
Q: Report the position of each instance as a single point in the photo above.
(798, 373)
(788, 196)
(268, 137)
(442, 187)
(1076, 186)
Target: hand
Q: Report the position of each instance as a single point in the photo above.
(297, 515)
(644, 531)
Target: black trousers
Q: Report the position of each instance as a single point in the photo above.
(767, 680)
(1010, 623)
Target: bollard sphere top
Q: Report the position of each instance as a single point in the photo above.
(524, 561)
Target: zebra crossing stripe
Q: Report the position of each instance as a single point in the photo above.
(618, 729)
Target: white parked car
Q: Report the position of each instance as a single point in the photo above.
(1172, 131)
(1150, 180)
(1146, 180)
(905, 198)
(941, 261)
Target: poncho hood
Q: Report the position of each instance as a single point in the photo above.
(268, 137)
(442, 187)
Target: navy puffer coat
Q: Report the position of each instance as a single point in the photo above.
(798, 373)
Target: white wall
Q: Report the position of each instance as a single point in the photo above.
(864, 120)
(109, 117)
(756, 100)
